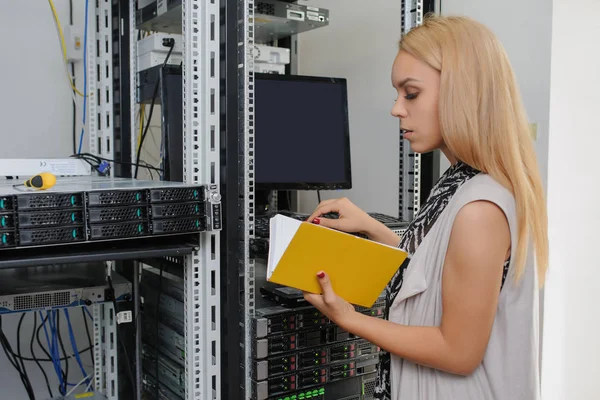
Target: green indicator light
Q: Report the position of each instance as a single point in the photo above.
(2, 203)
(139, 212)
(3, 221)
(140, 227)
(4, 240)
(72, 200)
(137, 196)
(195, 193)
(73, 217)
(322, 391)
(287, 398)
(315, 392)
(74, 233)
(197, 223)
(197, 209)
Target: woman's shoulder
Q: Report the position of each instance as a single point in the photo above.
(486, 186)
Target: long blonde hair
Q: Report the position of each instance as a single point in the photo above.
(483, 120)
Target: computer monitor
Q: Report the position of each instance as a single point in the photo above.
(302, 138)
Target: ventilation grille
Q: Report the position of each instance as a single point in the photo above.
(42, 300)
(51, 218)
(369, 389)
(264, 8)
(115, 214)
(55, 235)
(119, 230)
(188, 194)
(44, 201)
(116, 197)
(179, 225)
(177, 210)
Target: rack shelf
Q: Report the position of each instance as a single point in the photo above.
(102, 251)
(273, 19)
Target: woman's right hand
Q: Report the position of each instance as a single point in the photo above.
(351, 218)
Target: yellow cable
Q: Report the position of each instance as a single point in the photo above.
(63, 46)
(139, 141)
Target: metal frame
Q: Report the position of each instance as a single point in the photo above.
(99, 131)
(124, 89)
(100, 80)
(106, 373)
(201, 163)
(410, 162)
(232, 190)
(246, 98)
(133, 84)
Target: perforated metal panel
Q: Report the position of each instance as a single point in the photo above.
(99, 133)
(100, 80)
(246, 98)
(42, 300)
(410, 162)
(200, 32)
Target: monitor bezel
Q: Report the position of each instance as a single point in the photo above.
(346, 183)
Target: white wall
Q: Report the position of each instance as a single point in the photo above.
(524, 28)
(35, 100)
(571, 342)
(372, 38)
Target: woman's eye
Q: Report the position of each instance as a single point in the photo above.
(411, 96)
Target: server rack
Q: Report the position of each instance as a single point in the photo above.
(218, 150)
(110, 108)
(199, 23)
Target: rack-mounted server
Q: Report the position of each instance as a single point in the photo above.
(89, 209)
(299, 352)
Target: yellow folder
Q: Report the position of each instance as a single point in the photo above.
(359, 268)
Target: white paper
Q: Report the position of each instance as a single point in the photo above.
(281, 232)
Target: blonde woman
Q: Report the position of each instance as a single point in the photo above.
(461, 318)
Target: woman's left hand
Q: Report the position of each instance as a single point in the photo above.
(330, 304)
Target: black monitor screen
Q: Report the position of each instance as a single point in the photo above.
(301, 133)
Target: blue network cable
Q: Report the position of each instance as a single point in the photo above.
(85, 94)
(75, 349)
(51, 350)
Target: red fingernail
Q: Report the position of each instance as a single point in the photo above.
(321, 274)
(316, 221)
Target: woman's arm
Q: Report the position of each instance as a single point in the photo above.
(378, 232)
(472, 276)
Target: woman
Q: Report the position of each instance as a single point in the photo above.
(461, 318)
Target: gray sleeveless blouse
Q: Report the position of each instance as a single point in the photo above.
(510, 367)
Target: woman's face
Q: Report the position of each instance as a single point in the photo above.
(418, 87)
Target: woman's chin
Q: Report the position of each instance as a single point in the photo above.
(419, 148)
